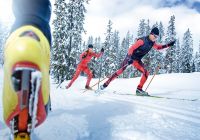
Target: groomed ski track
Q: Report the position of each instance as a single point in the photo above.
(141, 102)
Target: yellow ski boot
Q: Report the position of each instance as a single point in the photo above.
(26, 81)
(22, 136)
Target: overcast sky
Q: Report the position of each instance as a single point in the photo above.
(126, 14)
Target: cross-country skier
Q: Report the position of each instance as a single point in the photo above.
(85, 58)
(26, 68)
(135, 53)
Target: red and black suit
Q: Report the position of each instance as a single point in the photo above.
(135, 53)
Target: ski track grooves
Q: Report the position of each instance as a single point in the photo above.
(186, 115)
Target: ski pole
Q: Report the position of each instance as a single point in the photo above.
(104, 79)
(100, 70)
(95, 84)
(156, 71)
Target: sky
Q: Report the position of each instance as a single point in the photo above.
(126, 14)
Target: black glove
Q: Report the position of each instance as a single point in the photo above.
(102, 49)
(84, 56)
(130, 61)
(171, 43)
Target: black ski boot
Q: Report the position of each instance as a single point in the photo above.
(88, 87)
(140, 92)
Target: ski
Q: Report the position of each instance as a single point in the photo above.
(154, 96)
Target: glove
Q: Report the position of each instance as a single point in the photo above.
(84, 56)
(171, 43)
(130, 61)
(102, 49)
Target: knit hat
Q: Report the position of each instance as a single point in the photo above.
(155, 31)
(90, 46)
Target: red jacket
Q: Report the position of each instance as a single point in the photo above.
(89, 55)
(142, 46)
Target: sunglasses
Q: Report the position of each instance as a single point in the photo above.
(156, 36)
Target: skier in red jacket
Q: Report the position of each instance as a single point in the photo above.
(85, 58)
(135, 53)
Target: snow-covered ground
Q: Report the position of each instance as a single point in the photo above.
(120, 115)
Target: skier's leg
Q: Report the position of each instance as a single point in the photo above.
(139, 66)
(90, 75)
(26, 66)
(77, 73)
(117, 73)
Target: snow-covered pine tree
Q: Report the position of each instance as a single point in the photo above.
(115, 51)
(141, 29)
(90, 40)
(84, 46)
(97, 61)
(161, 33)
(147, 28)
(4, 31)
(155, 25)
(197, 60)
(107, 45)
(186, 51)
(170, 64)
(130, 71)
(178, 56)
(159, 56)
(68, 27)
(193, 67)
(122, 55)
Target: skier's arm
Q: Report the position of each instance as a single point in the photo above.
(99, 54)
(159, 47)
(136, 45)
(83, 55)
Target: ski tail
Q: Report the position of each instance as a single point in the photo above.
(26, 80)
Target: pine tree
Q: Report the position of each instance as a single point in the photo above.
(147, 28)
(90, 40)
(141, 30)
(178, 56)
(122, 51)
(187, 51)
(97, 61)
(107, 45)
(161, 33)
(68, 27)
(197, 60)
(170, 63)
(4, 31)
(115, 52)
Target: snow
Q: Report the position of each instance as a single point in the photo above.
(118, 114)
